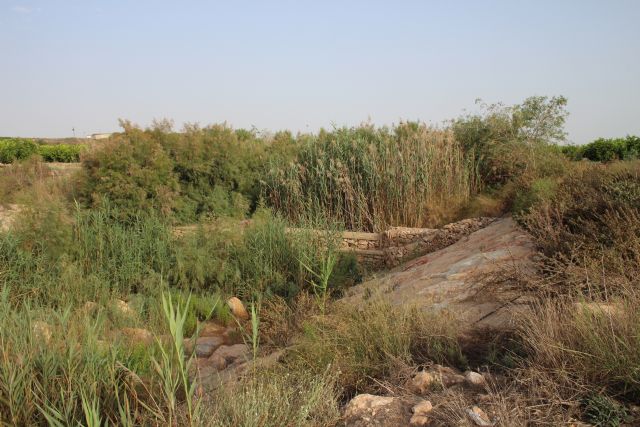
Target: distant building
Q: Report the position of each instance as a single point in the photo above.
(100, 135)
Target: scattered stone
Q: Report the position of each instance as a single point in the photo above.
(41, 331)
(138, 335)
(205, 346)
(366, 410)
(474, 379)
(421, 382)
(237, 308)
(448, 377)
(420, 416)
(478, 416)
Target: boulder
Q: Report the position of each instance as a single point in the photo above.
(227, 355)
(420, 415)
(369, 410)
(421, 382)
(474, 379)
(205, 346)
(237, 308)
(212, 329)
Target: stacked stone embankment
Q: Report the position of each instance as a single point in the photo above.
(398, 244)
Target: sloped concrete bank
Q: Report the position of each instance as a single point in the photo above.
(456, 277)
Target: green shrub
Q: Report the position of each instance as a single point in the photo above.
(262, 259)
(131, 172)
(606, 149)
(603, 411)
(509, 142)
(12, 149)
(60, 153)
(537, 192)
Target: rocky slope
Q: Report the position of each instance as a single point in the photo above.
(462, 278)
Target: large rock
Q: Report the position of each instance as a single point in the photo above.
(366, 410)
(454, 279)
(474, 379)
(420, 417)
(228, 355)
(205, 346)
(237, 308)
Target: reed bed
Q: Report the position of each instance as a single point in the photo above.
(370, 178)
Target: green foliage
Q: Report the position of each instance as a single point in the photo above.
(64, 153)
(131, 172)
(263, 259)
(539, 191)
(12, 149)
(509, 142)
(58, 260)
(199, 173)
(369, 178)
(606, 150)
(602, 411)
(173, 366)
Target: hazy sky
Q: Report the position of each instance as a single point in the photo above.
(303, 65)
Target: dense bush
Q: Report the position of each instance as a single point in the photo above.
(12, 149)
(60, 153)
(199, 173)
(516, 156)
(509, 142)
(590, 228)
(131, 172)
(605, 150)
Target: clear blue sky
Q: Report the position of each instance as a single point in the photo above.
(303, 65)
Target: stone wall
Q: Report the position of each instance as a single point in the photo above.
(398, 244)
(391, 247)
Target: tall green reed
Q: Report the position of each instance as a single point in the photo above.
(370, 178)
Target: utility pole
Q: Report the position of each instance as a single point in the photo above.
(74, 131)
